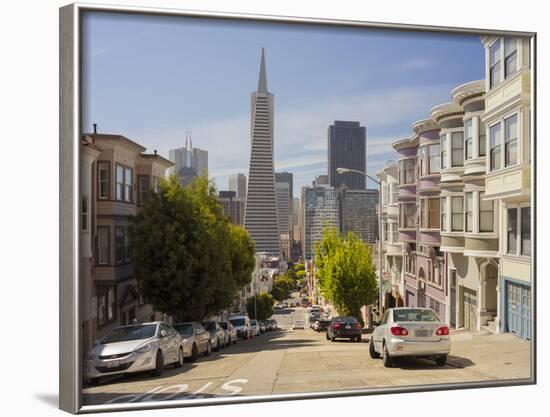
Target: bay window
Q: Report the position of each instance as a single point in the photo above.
(518, 234)
(457, 149)
(486, 214)
(394, 193)
(469, 208)
(444, 151)
(434, 163)
(119, 182)
(525, 231)
(494, 62)
(124, 181)
(494, 137)
(468, 139)
(430, 213)
(443, 211)
(103, 180)
(103, 247)
(119, 244)
(422, 160)
(510, 56)
(512, 231)
(128, 180)
(482, 140)
(143, 189)
(457, 214)
(511, 140)
(394, 233)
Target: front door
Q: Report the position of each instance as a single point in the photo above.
(470, 310)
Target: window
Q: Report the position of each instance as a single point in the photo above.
(494, 134)
(143, 189)
(434, 163)
(155, 184)
(457, 214)
(406, 171)
(103, 245)
(384, 195)
(468, 139)
(443, 151)
(407, 216)
(511, 141)
(394, 233)
(469, 211)
(394, 193)
(422, 160)
(124, 183)
(105, 305)
(103, 180)
(512, 247)
(84, 213)
(494, 62)
(430, 213)
(386, 232)
(526, 231)
(443, 211)
(126, 245)
(457, 149)
(482, 140)
(486, 214)
(119, 244)
(510, 56)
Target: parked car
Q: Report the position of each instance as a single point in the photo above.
(193, 333)
(254, 328)
(272, 324)
(312, 317)
(217, 334)
(263, 326)
(410, 332)
(242, 324)
(298, 324)
(134, 348)
(321, 324)
(344, 327)
(230, 332)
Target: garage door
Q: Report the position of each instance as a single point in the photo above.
(518, 310)
(470, 310)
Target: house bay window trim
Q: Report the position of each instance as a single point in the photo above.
(503, 163)
(457, 216)
(519, 252)
(430, 213)
(124, 185)
(404, 221)
(502, 59)
(404, 171)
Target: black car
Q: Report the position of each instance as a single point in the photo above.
(345, 328)
(321, 325)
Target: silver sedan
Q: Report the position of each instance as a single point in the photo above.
(135, 348)
(410, 332)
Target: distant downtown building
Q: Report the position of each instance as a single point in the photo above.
(284, 218)
(261, 202)
(232, 206)
(358, 213)
(237, 183)
(347, 149)
(188, 162)
(320, 205)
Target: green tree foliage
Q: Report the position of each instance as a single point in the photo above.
(189, 259)
(264, 306)
(282, 287)
(345, 272)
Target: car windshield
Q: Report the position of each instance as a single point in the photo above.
(346, 319)
(237, 322)
(209, 325)
(185, 329)
(127, 333)
(223, 324)
(414, 315)
(253, 322)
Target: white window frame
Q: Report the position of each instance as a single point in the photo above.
(452, 148)
(478, 211)
(469, 224)
(498, 61)
(502, 140)
(453, 213)
(505, 74)
(433, 156)
(491, 147)
(444, 140)
(402, 163)
(471, 139)
(516, 139)
(103, 166)
(518, 252)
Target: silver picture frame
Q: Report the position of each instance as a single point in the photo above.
(70, 103)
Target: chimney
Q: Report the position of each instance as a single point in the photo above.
(95, 128)
(155, 151)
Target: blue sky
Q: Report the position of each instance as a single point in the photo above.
(152, 78)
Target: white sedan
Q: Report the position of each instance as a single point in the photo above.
(298, 324)
(410, 332)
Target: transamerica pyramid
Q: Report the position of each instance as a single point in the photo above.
(260, 218)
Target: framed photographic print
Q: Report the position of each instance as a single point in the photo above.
(259, 208)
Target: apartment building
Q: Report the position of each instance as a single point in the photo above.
(117, 176)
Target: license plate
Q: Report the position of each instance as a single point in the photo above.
(348, 326)
(113, 364)
(422, 333)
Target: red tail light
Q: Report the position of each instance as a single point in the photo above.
(337, 325)
(358, 326)
(442, 331)
(399, 331)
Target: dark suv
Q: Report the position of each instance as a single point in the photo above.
(345, 328)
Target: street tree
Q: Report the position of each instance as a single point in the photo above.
(282, 287)
(345, 272)
(262, 308)
(189, 260)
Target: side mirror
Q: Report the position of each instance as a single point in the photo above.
(163, 333)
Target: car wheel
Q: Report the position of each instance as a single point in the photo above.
(332, 338)
(217, 345)
(386, 358)
(194, 354)
(159, 364)
(208, 349)
(373, 353)
(441, 360)
(181, 359)
(358, 339)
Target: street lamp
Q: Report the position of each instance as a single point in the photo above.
(342, 170)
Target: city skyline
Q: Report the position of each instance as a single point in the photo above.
(155, 54)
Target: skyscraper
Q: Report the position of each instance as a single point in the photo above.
(232, 206)
(358, 213)
(347, 149)
(260, 217)
(188, 162)
(284, 218)
(237, 183)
